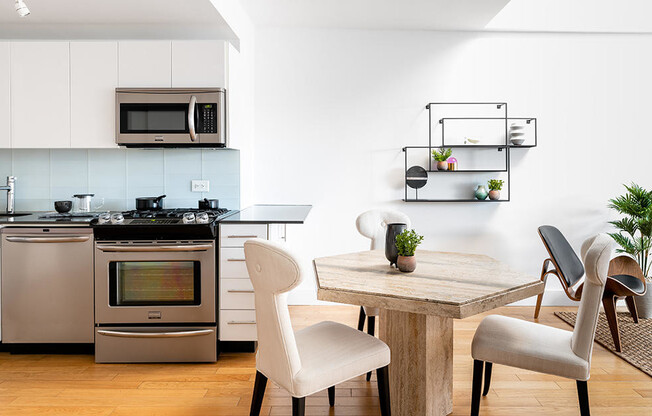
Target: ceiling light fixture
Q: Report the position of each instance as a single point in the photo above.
(21, 8)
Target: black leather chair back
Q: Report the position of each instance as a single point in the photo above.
(568, 265)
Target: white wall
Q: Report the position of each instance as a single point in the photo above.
(334, 108)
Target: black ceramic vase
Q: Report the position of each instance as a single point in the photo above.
(391, 251)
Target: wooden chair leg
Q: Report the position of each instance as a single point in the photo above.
(298, 406)
(609, 304)
(487, 377)
(383, 391)
(331, 396)
(631, 306)
(361, 319)
(371, 328)
(259, 393)
(477, 387)
(537, 308)
(583, 396)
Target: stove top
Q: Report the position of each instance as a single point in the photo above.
(166, 224)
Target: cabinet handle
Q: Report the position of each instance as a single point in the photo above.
(239, 291)
(241, 236)
(242, 322)
(235, 260)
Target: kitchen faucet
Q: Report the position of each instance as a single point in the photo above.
(10, 188)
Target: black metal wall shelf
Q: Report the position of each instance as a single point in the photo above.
(441, 121)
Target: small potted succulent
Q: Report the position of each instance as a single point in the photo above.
(441, 157)
(495, 185)
(406, 244)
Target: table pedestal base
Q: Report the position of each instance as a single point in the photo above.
(421, 371)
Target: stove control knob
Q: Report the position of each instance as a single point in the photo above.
(202, 218)
(104, 218)
(117, 218)
(188, 218)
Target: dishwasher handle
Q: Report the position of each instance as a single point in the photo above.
(174, 334)
(62, 239)
(150, 249)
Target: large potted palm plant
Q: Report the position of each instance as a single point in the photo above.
(635, 235)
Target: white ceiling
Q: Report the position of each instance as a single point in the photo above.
(600, 16)
(114, 19)
(375, 14)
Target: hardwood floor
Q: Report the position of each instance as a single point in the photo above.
(75, 385)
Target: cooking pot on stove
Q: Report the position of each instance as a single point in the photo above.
(150, 203)
(209, 203)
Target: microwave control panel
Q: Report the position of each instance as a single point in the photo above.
(207, 118)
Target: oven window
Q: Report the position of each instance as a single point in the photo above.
(145, 283)
(154, 118)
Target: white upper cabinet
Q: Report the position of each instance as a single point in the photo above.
(93, 79)
(198, 63)
(40, 94)
(5, 97)
(144, 64)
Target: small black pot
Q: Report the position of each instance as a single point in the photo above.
(209, 203)
(62, 206)
(150, 203)
(391, 252)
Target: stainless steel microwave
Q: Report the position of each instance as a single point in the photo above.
(171, 117)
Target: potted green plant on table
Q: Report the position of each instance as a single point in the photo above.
(495, 185)
(634, 235)
(441, 157)
(406, 244)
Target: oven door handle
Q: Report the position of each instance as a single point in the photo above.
(151, 249)
(174, 334)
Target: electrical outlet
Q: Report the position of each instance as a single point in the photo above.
(200, 186)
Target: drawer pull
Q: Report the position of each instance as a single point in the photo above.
(242, 236)
(236, 260)
(175, 334)
(239, 291)
(242, 322)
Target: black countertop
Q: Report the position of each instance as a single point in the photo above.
(260, 214)
(34, 219)
(270, 214)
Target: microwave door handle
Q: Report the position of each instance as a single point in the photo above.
(191, 118)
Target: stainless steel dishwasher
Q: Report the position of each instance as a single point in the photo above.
(47, 285)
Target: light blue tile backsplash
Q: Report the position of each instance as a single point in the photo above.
(118, 176)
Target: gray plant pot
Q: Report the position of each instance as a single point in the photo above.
(644, 303)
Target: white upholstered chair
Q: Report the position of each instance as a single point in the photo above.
(536, 347)
(373, 224)
(312, 359)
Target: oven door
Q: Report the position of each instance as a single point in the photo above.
(180, 117)
(155, 282)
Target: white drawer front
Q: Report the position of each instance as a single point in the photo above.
(235, 235)
(236, 294)
(232, 264)
(237, 325)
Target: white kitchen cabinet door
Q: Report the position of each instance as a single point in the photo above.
(93, 79)
(144, 64)
(5, 97)
(199, 63)
(40, 94)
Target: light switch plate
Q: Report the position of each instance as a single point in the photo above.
(200, 186)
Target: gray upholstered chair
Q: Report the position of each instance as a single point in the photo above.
(373, 224)
(310, 360)
(536, 347)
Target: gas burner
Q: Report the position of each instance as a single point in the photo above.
(174, 213)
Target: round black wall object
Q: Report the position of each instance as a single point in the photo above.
(416, 177)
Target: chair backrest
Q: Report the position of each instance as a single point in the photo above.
(274, 271)
(568, 265)
(596, 252)
(372, 224)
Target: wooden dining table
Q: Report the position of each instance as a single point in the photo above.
(417, 312)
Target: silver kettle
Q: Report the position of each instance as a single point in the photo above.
(83, 203)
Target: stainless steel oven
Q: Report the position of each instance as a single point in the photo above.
(156, 296)
(179, 117)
